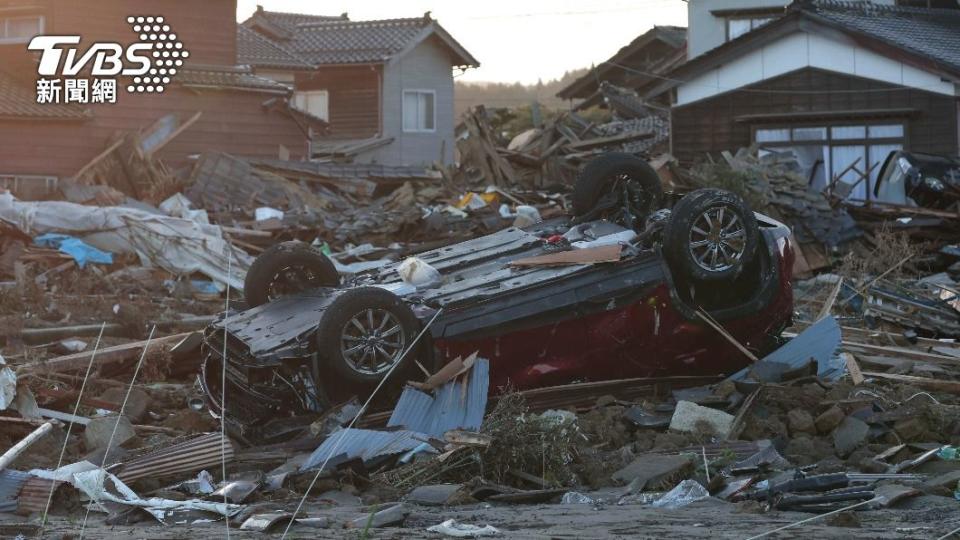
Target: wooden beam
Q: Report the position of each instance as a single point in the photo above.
(110, 355)
(920, 382)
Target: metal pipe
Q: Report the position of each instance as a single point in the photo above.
(10, 455)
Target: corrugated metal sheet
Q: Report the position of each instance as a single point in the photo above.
(457, 405)
(366, 444)
(34, 495)
(10, 484)
(186, 457)
(819, 341)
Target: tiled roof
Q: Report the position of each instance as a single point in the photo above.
(227, 78)
(930, 33)
(352, 42)
(256, 49)
(17, 100)
(290, 21)
(321, 40)
(930, 36)
(587, 84)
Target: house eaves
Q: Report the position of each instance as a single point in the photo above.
(812, 16)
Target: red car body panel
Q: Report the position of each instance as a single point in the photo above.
(647, 338)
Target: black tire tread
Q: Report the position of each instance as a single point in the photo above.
(264, 267)
(596, 175)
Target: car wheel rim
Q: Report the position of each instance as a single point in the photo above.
(372, 341)
(291, 279)
(717, 239)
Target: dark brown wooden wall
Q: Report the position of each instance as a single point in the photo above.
(232, 121)
(207, 28)
(354, 98)
(708, 125)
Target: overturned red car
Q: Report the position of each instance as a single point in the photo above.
(620, 289)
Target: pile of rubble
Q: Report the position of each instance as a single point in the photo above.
(837, 424)
(553, 153)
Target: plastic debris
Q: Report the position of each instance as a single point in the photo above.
(683, 494)
(418, 272)
(949, 453)
(81, 251)
(8, 385)
(575, 497)
(452, 527)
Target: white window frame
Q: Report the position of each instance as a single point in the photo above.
(4, 22)
(403, 110)
(756, 21)
(306, 94)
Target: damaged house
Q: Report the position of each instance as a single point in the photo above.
(384, 86)
(618, 83)
(212, 104)
(839, 84)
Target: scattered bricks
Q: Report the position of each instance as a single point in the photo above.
(829, 420)
(910, 429)
(800, 421)
(849, 435)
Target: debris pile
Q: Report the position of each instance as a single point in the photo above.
(553, 153)
(835, 421)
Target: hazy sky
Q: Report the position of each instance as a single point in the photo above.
(518, 40)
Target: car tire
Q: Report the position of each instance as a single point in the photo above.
(383, 316)
(711, 236)
(618, 171)
(287, 268)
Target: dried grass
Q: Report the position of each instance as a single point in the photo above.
(892, 248)
(521, 441)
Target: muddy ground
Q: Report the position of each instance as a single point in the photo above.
(921, 517)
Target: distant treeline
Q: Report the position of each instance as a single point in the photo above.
(493, 95)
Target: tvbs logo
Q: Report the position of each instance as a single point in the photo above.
(150, 63)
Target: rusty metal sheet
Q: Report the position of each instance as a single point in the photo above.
(181, 458)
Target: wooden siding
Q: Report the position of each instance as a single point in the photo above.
(354, 98)
(207, 28)
(232, 121)
(709, 125)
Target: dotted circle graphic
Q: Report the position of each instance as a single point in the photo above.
(167, 52)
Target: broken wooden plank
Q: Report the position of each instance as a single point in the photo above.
(716, 326)
(111, 355)
(856, 375)
(592, 255)
(919, 382)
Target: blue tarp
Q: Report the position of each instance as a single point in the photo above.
(81, 251)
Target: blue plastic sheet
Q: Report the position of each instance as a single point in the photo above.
(81, 251)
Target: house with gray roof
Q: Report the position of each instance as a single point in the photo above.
(840, 84)
(384, 87)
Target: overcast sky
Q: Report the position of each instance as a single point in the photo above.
(514, 40)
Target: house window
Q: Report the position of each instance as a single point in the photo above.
(419, 110)
(836, 155)
(738, 26)
(316, 103)
(20, 29)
